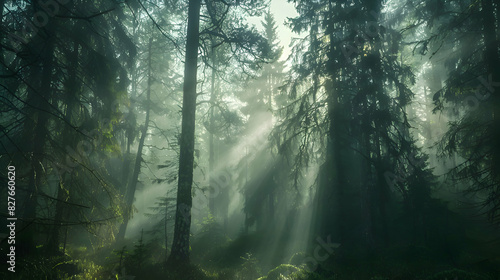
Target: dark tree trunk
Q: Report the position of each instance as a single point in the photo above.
(331, 191)
(53, 243)
(2, 59)
(62, 195)
(492, 59)
(38, 97)
(166, 230)
(180, 246)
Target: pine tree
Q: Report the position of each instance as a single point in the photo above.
(180, 246)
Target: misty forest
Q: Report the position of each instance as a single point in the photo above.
(250, 139)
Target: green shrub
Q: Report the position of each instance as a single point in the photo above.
(249, 269)
(282, 270)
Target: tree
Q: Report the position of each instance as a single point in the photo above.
(471, 91)
(261, 185)
(65, 163)
(248, 45)
(132, 183)
(355, 92)
(180, 246)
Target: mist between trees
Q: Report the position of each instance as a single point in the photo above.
(174, 140)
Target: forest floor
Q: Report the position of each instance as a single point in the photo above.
(146, 261)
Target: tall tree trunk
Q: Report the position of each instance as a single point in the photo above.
(180, 246)
(166, 229)
(331, 190)
(492, 59)
(211, 148)
(62, 195)
(334, 168)
(2, 58)
(132, 186)
(35, 129)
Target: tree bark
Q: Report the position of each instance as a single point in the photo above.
(180, 246)
(62, 195)
(35, 129)
(211, 148)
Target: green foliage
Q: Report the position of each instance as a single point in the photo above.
(222, 274)
(118, 257)
(90, 271)
(290, 272)
(39, 268)
(270, 27)
(227, 254)
(207, 243)
(81, 264)
(281, 271)
(66, 267)
(136, 261)
(249, 269)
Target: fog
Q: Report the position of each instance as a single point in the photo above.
(250, 140)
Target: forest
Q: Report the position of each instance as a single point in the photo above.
(250, 139)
